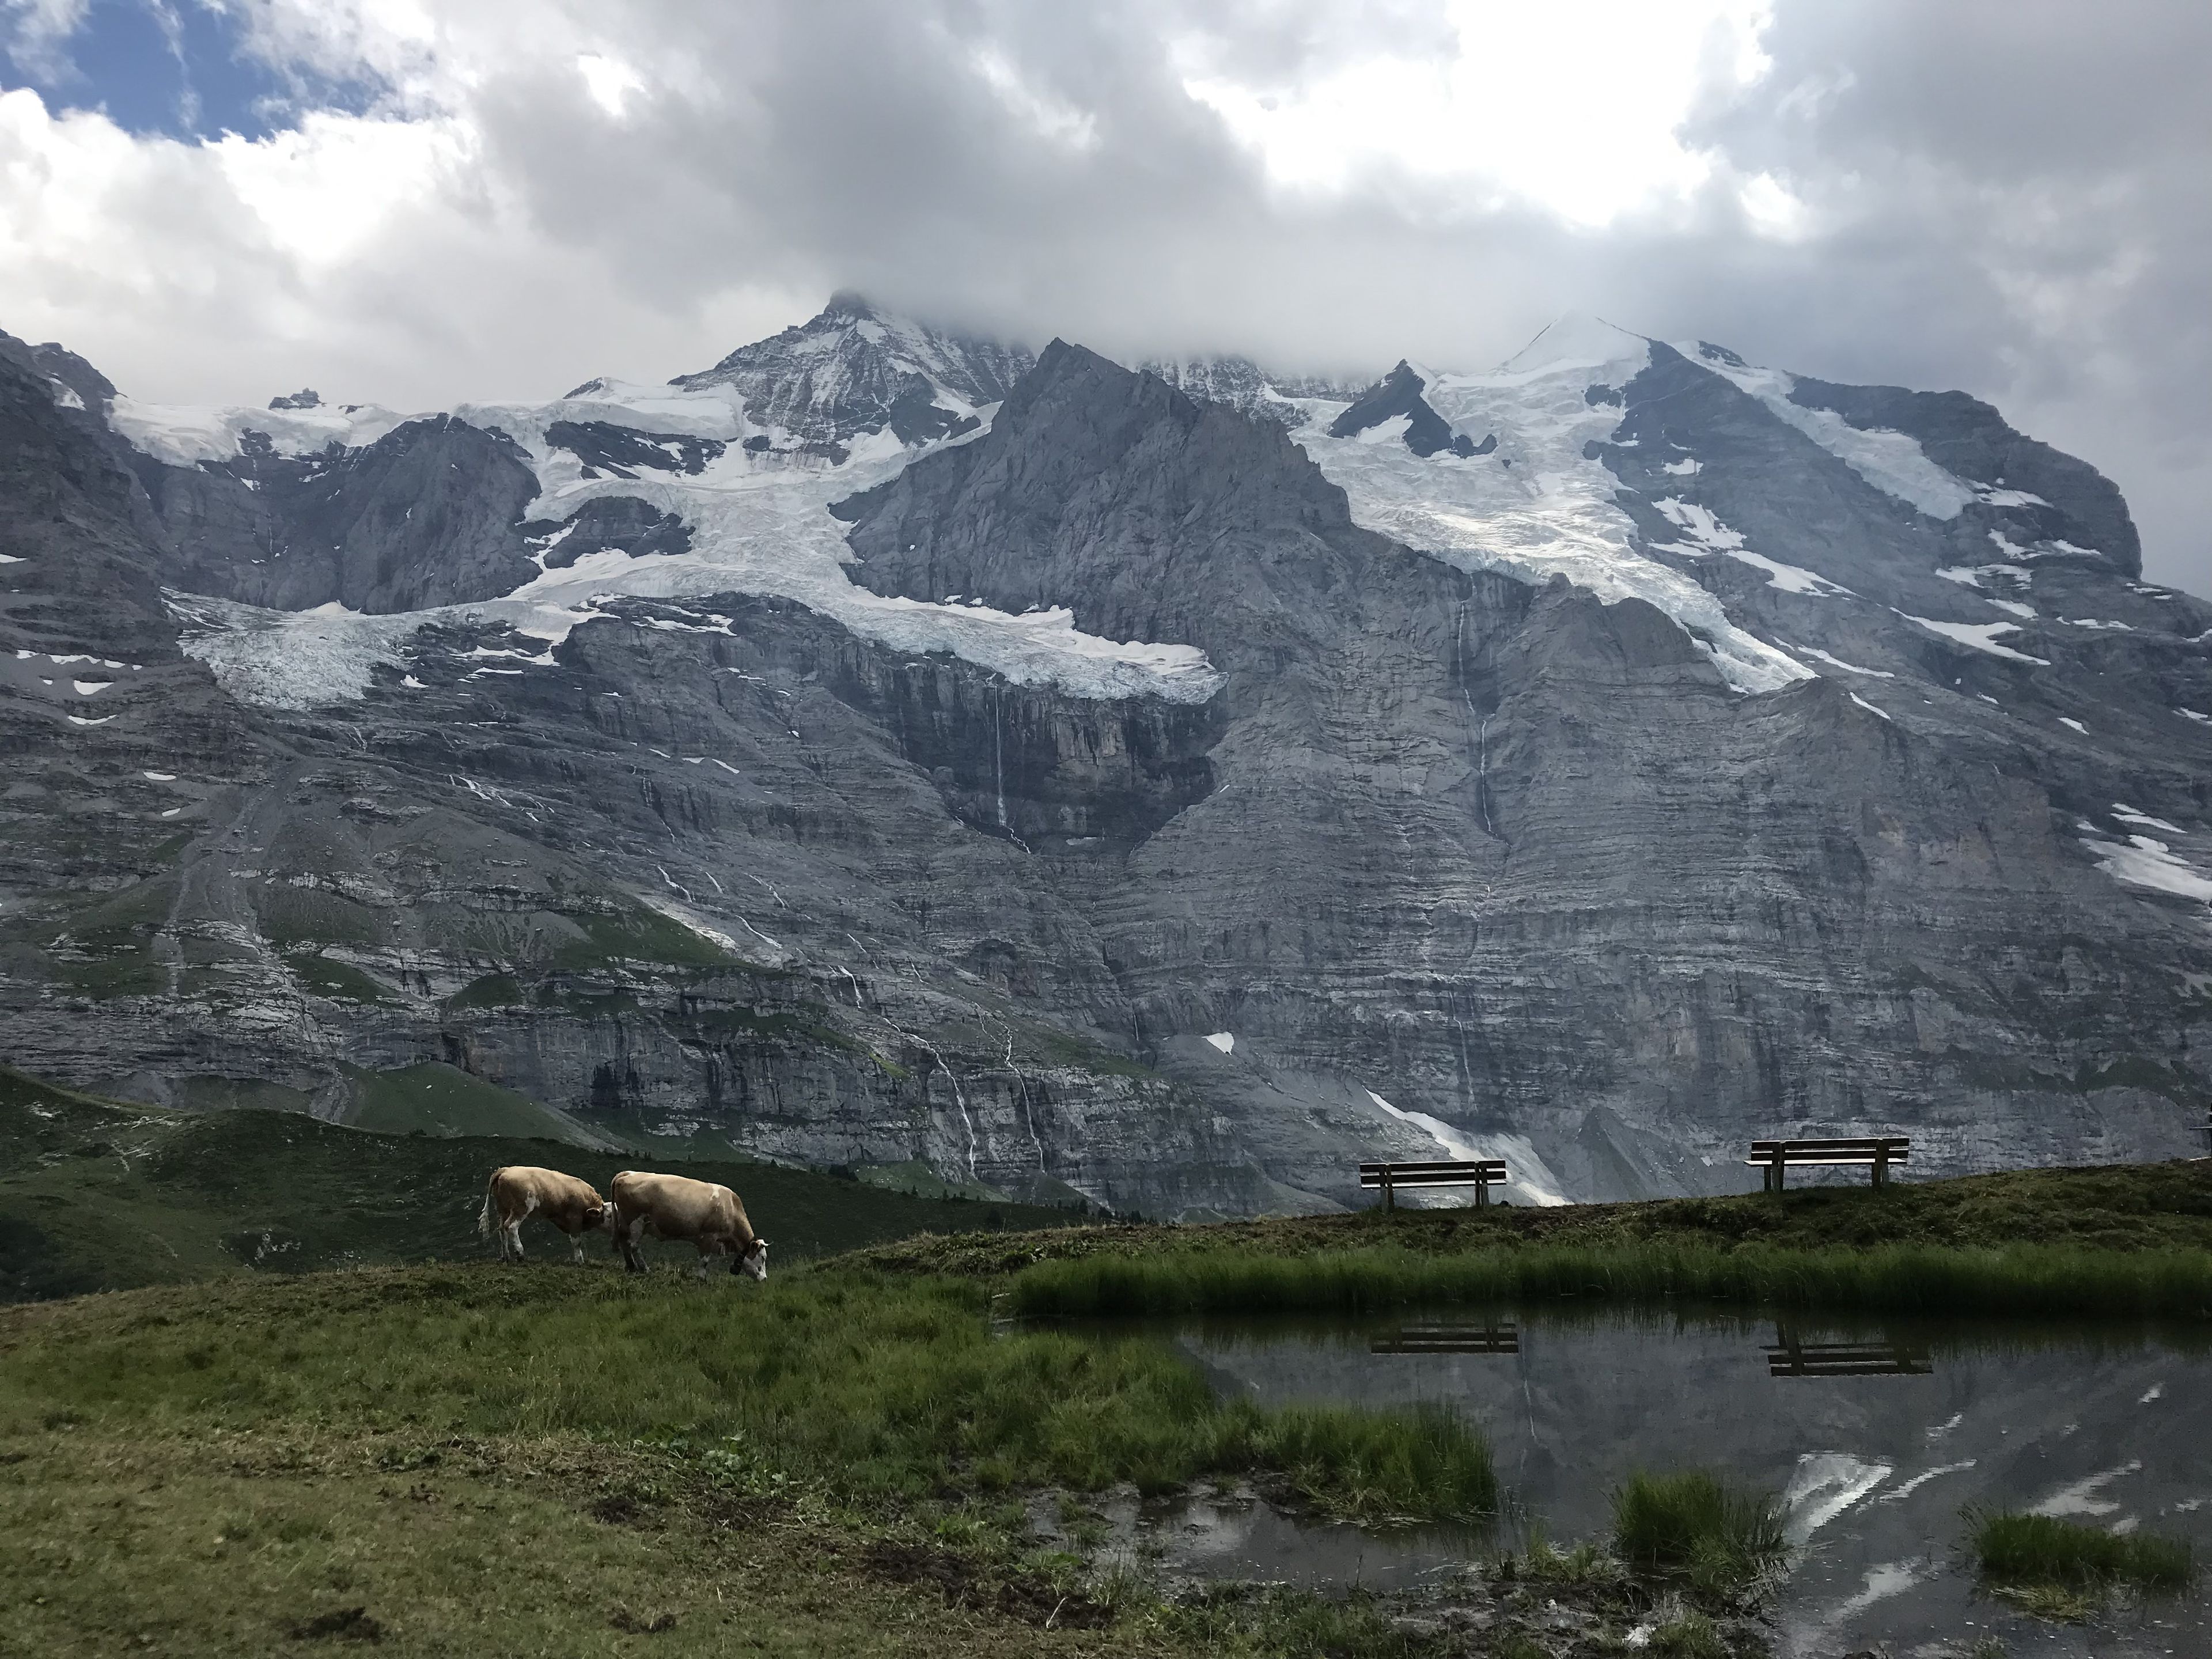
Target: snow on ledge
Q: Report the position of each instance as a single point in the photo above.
(1981, 637)
(2147, 862)
(1224, 1041)
(1891, 461)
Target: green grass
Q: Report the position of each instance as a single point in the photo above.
(871, 1390)
(327, 977)
(2030, 1552)
(2020, 1280)
(98, 1195)
(1690, 1635)
(490, 991)
(1690, 1528)
(437, 1099)
(2129, 1208)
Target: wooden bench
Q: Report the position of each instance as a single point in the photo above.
(1879, 1151)
(1481, 1173)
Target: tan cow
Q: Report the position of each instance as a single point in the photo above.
(677, 1207)
(520, 1191)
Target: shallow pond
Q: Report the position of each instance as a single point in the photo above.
(1875, 1434)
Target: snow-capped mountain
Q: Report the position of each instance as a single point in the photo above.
(1168, 785)
(854, 371)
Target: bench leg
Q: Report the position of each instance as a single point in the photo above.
(1482, 1194)
(1390, 1194)
(1880, 1170)
(1780, 1173)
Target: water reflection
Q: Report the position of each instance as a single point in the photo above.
(1883, 1432)
(1450, 1339)
(1791, 1355)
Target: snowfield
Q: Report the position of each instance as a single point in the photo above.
(1536, 507)
(760, 524)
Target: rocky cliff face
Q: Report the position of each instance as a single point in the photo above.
(1167, 798)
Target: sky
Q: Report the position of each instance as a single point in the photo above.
(419, 202)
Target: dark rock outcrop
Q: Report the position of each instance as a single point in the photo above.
(430, 514)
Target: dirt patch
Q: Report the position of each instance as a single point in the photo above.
(964, 1582)
(342, 1624)
(625, 1509)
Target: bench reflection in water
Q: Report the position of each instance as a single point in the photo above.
(1450, 1339)
(1792, 1357)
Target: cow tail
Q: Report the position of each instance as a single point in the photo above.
(487, 1223)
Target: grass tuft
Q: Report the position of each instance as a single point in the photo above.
(1689, 1636)
(1692, 1528)
(2039, 1280)
(2026, 1553)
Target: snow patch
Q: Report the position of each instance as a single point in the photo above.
(2093, 621)
(1525, 1173)
(184, 434)
(159, 777)
(1891, 461)
(2146, 861)
(1981, 637)
(89, 688)
(683, 918)
(2127, 814)
(1869, 707)
(1224, 1041)
(80, 719)
(1848, 667)
(11, 558)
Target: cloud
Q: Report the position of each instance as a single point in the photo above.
(2003, 199)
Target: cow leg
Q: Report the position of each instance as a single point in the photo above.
(577, 1248)
(513, 1241)
(626, 1236)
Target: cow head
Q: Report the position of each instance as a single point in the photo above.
(600, 1218)
(754, 1261)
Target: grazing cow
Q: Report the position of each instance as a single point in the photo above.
(677, 1207)
(519, 1191)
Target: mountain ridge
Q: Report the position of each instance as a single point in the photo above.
(1616, 754)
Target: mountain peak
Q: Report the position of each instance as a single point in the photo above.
(847, 303)
(854, 369)
(1575, 339)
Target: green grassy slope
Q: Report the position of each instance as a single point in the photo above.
(2128, 1208)
(474, 1459)
(437, 1099)
(97, 1196)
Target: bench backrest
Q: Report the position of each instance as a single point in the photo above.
(1896, 1148)
(1441, 1172)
